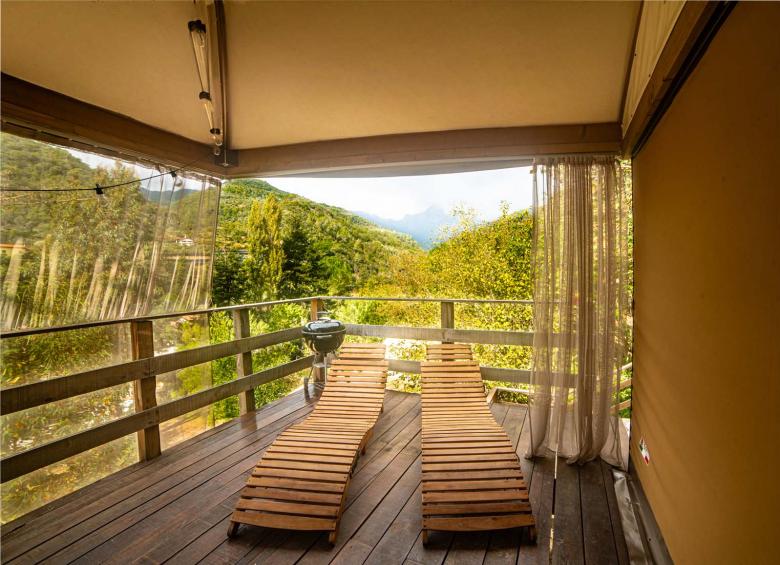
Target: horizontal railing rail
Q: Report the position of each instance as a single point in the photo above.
(495, 337)
(412, 299)
(40, 456)
(145, 366)
(99, 323)
(522, 376)
(22, 397)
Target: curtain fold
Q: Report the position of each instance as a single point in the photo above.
(581, 307)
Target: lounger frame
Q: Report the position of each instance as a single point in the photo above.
(301, 482)
(471, 475)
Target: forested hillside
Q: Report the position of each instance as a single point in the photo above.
(272, 244)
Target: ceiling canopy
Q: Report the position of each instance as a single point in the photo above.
(303, 72)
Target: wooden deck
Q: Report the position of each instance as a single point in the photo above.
(175, 509)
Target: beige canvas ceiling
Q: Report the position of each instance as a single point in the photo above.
(317, 71)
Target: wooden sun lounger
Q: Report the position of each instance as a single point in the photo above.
(301, 481)
(471, 476)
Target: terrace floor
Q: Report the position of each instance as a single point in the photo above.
(175, 509)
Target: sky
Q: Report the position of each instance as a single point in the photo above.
(396, 197)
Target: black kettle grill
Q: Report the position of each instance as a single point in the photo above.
(323, 336)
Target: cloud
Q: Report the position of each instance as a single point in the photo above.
(395, 197)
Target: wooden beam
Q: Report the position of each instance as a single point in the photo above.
(444, 335)
(40, 113)
(167, 315)
(14, 399)
(37, 112)
(631, 53)
(423, 300)
(404, 366)
(522, 376)
(145, 389)
(38, 457)
(246, 400)
(488, 373)
(487, 145)
(447, 316)
(317, 306)
(696, 25)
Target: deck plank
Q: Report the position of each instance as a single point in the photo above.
(599, 545)
(568, 516)
(61, 511)
(175, 509)
(169, 479)
(396, 405)
(208, 473)
(614, 514)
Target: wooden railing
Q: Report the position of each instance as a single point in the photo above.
(144, 367)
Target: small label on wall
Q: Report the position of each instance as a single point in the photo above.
(644, 451)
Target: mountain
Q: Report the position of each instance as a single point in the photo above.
(156, 195)
(423, 227)
(315, 248)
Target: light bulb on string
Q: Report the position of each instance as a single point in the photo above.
(200, 47)
(101, 196)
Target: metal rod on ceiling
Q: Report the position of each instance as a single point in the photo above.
(219, 8)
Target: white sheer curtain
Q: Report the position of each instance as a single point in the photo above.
(581, 307)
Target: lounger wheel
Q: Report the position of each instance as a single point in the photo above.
(232, 529)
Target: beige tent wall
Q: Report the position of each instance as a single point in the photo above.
(707, 361)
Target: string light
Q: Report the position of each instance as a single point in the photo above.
(100, 189)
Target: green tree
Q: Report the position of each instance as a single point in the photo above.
(266, 248)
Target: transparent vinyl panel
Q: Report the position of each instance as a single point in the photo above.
(144, 247)
(70, 255)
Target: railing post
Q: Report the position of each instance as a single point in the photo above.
(317, 305)
(447, 316)
(145, 389)
(246, 399)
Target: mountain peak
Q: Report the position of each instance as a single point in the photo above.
(423, 226)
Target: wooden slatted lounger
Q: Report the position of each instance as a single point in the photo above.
(301, 481)
(471, 476)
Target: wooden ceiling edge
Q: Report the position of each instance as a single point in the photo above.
(488, 145)
(35, 112)
(694, 28)
(631, 57)
(39, 113)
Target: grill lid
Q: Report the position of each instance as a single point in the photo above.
(324, 326)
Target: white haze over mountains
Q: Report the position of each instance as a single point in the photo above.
(418, 205)
(424, 227)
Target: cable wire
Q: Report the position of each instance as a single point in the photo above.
(98, 188)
